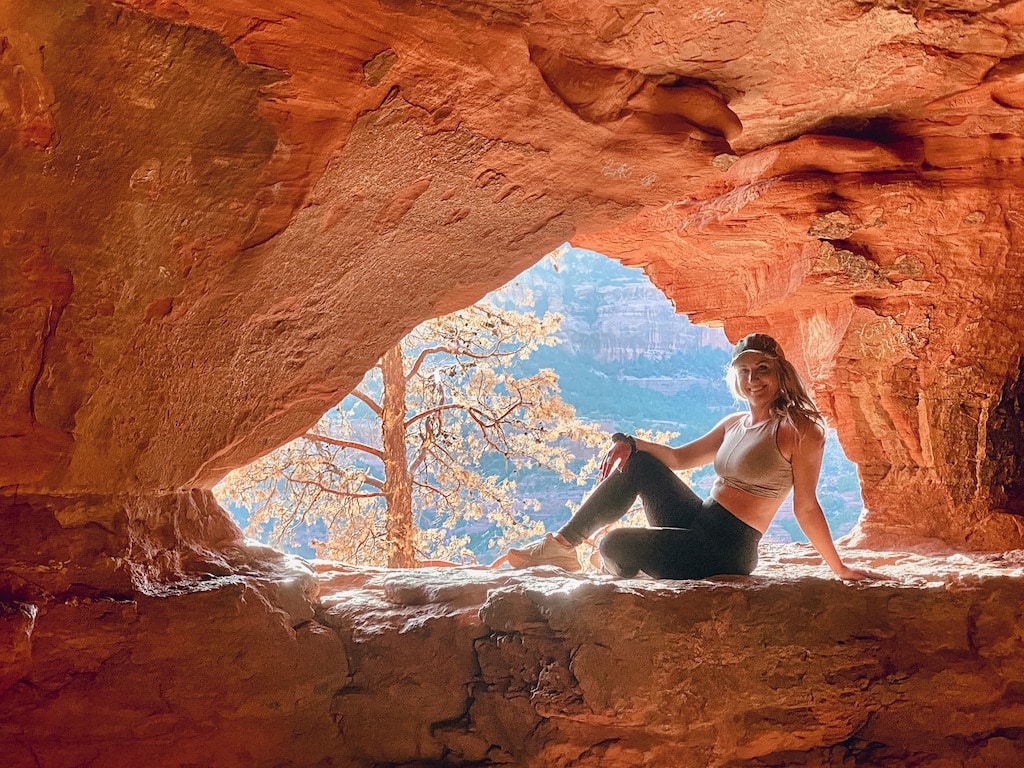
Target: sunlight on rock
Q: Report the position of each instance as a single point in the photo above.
(709, 667)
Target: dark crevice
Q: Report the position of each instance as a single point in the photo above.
(662, 103)
(64, 283)
(889, 131)
(1006, 437)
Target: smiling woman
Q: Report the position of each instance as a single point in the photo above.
(758, 456)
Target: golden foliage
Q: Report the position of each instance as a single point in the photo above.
(471, 427)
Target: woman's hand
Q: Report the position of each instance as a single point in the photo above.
(852, 574)
(615, 458)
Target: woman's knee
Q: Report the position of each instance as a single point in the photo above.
(643, 469)
(641, 461)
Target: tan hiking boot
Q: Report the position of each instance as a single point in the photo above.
(546, 551)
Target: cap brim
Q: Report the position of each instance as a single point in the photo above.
(753, 352)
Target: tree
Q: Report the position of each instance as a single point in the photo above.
(429, 443)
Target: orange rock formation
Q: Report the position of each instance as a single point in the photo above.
(215, 214)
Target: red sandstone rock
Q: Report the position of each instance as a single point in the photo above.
(781, 669)
(214, 203)
(209, 674)
(470, 666)
(215, 215)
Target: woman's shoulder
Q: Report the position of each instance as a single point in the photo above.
(731, 420)
(802, 429)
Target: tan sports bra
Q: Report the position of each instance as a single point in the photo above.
(749, 460)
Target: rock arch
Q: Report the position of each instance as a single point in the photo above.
(214, 215)
(211, 232)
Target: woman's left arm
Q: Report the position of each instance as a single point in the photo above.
(806, 462)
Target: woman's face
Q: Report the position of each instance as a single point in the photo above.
(757, 377)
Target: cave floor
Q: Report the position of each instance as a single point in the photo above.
(786, 667)
(779, 563)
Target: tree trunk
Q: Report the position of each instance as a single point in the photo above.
(397, 480)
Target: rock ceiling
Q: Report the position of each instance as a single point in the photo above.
(215, 215)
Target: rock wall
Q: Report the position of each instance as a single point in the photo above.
(216, 214)
(466, 667)
(781, 670)
(876, 318)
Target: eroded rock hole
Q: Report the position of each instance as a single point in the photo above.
(481, 430)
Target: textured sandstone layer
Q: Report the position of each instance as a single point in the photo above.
(134, 633)
(472, 667)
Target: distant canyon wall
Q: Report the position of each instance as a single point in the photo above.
(614, 315)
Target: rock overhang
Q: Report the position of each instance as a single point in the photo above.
(221, 213)
(196, 273)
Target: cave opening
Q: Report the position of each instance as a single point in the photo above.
(623, 360)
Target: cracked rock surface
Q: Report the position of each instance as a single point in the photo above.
(468, 666)
(788, 667)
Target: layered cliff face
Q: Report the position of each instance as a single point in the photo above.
(215, 214)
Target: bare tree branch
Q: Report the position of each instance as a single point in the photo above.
(422, 356)
(487, 354)
(345, 444)
(421, 455)
(308, 482)
(431, 411)
(373, 482)
(429, 487)
(370, 403)
(478, 414)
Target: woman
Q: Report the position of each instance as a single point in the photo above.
(759, 456)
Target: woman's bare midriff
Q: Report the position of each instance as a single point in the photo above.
(755, 511)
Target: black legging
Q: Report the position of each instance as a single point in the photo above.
(688, 538)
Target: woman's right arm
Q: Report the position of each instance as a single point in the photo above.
(696, 453)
